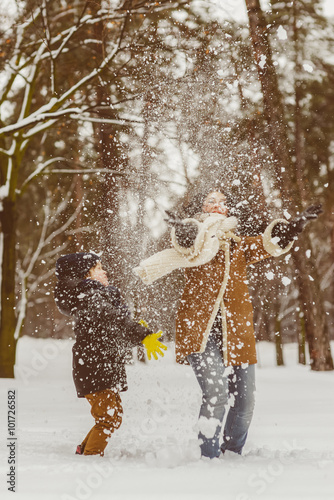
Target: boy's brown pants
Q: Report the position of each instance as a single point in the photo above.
(107, 411)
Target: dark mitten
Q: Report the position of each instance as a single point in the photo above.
(185, 232)
(288, 232)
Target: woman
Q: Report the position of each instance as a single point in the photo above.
(214, 323)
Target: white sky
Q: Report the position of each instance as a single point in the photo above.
(328, 6)
(236, 9)
(230, 8)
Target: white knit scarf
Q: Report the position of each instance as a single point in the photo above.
(213, 233)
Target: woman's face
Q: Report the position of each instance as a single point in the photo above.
(215, 202)
(97, 273)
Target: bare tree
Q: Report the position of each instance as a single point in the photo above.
(310, 297)
(51, 66)
(43, 40)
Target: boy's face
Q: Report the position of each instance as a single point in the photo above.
(97, 273)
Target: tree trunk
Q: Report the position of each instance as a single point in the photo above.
(299, 139)
(78, 194)
(279, 349)
(302, 341)
(272, 100)
(313, 308)
(8, 301)
(278, 341)
(107, 145)
(316, 330)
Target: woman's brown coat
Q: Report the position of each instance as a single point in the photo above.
(222, 283)
(215, 269)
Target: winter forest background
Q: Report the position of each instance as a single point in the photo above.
(113, 111)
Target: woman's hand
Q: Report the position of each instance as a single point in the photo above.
(311, 213)
(288, 232)
(185, 232)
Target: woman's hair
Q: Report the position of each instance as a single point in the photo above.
(196, 203)
(250, 222)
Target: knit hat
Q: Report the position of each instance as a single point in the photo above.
(75, 265)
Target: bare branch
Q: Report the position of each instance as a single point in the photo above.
(121, 121)
(38, 171)
(17, 53)
(49, 110)
(54, 251)
(83, 171)
(65, 225)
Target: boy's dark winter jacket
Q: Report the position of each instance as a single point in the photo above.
(104, 333)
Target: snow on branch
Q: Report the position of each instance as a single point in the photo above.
(44, 51)
(38, 117)
(141, 7)
(29, 85)
(36, 130)
(51, 109)
(17, 54)
(121, 121)
(83, 171)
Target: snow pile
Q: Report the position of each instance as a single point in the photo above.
(155, 454)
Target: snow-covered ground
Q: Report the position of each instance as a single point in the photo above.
(154, 455)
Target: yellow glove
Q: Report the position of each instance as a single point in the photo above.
(153, 345)
(143, 322)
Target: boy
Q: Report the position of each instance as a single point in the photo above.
(104, 333)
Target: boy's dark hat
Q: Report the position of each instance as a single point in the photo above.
(75, 265)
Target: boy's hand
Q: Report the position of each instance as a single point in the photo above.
(153, 345)
(143, 322)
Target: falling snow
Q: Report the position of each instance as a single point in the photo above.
(286, 281)
(281, 33)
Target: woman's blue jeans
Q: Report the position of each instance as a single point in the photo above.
(220, 386)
